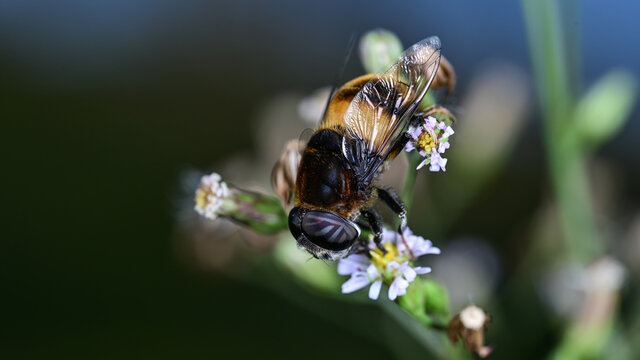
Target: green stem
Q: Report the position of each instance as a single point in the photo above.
(566, 157)
(414, 160)
(410, 180)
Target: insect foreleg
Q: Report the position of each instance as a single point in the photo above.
(375, 221)
(393, 201)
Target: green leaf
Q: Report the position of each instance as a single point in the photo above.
(602, 112)
(312, 273)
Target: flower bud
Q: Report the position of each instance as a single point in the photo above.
(469, 325)
(259, 212)
(379, 49)
(285, 171)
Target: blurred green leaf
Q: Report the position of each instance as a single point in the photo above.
(311, 272)
(604, 109)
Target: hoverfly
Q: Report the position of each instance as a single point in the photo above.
(365, 125)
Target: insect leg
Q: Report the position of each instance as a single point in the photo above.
(393, 201)
(375, 221)
(436, 109)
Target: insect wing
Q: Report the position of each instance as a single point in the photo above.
(382, 110)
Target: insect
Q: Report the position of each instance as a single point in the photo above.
(365, 125)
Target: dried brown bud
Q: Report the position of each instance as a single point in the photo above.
(446, 76)
(469, 325)
(285, 171)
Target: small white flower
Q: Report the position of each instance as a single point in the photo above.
(393, 267)
(430, 139)
(211, 195)
(417, 245)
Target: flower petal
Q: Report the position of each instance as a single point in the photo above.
(409, 147)
(443, 147)
(430, 122)
(448, 131)
(374, 290)
(372, 272)
(398, 287)
(392, 265)
(353, 263)
(422, 270)
(393, 292)
(416, 132)
(409, 273)
(356, 282)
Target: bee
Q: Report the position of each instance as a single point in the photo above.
(366, 124)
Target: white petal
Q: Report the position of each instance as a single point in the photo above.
(393, 291)
(433, 250)
(374, 290)
(398, 287)
(409, 273)
(353, 263)
(372, 272)
(416, 133)
(431, 122)
(422, 270)
(409, 147)
(392, 265)
(401, 283)
(356, 282)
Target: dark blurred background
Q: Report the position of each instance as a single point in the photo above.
(103, 104)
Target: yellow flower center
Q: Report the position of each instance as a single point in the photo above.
(380, 259)
(426, 141)
(201, 198)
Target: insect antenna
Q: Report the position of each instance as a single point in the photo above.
(347, 56)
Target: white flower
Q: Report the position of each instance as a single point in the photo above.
(394, 267)
(431, 139)
(417, 245)
(210, 195)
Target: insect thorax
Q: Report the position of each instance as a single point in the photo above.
(325, 179)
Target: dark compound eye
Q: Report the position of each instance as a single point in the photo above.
(294, 221)
(328, 230)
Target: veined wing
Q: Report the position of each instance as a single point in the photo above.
(381, 112)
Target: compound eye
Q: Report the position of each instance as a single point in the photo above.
(294, 221)
(329, 231)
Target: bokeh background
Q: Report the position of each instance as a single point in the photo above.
(105, 107)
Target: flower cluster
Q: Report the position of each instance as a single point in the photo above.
(431, 139)
(210, 195)
(393, 267)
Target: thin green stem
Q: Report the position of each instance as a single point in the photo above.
(410, 180)
(414, 160)
(566, 158)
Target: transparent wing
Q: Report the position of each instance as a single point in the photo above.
(382, 110)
